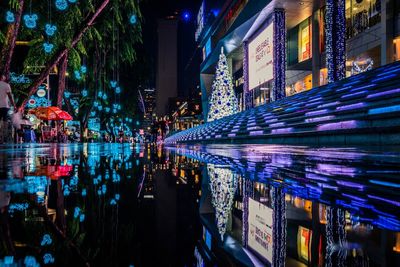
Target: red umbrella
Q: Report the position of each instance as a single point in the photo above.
(51, 113)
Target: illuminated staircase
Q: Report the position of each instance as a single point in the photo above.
(361, 110)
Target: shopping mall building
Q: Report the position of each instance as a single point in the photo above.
(279, 48)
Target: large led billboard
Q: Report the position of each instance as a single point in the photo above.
(261, 58)
(260, 229)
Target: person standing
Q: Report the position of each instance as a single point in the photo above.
(6, 98)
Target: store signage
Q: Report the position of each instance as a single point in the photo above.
(261, 59)
(200, 21)
(260, 229)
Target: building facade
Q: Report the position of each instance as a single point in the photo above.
(277, 48)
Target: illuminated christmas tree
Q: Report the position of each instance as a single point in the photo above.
(223, 184)
(223, 101)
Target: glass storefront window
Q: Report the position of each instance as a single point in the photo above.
(299, 86)
(361, 15)
(396, 44)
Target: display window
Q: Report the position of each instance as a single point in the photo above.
(361, 15)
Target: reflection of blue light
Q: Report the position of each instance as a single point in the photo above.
(46, 240)
(8, 260)
(30, 261)
(48, 258)
(385, 183)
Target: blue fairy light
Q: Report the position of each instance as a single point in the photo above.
(77, 75)
(72, 1)
(83, 69)
(113, 84)
(113, 202)
(84, 192)
(30, 21)
(77, 211)
(100, 94)
(50, 29)
(107, 109)
(10, 18)
(133, 19)
(48, 258)
(117, 196)
(61, 4)
(46, 240)
(100, 107)
(114, 111)
(67, 94)
(104, 188)
(186, 16)
(48, 47)
(81, 217)
(118, 90)
(104, 97)
(66, 190)
(93, 113)
(95, 103)
(84, 93)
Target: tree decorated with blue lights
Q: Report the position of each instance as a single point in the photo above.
(223, 101)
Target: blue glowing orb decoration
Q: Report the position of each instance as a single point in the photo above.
(118, 90)
(107, 109)
(84, 93)
(114, 111)
(10, 18)
(100, 107)
(48, 258)
(67, 94)
(77, 75)
(100, 94)
(186, 16)
(113, 84)
(46, 240)
(93, 113)
(48, 47)
(30, 21)
(95, 103)
(61, 4)
(133, 19)
(50, 29)
(104, 97)
(83, 69)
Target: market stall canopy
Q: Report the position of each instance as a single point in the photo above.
(51, 113)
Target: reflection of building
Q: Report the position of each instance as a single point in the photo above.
(370, 35)
(186, 115)
(149, 99)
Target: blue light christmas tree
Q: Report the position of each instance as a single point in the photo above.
(223, 101)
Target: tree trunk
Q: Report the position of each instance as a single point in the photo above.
(61, 79)
(9, 45)
(62, 52)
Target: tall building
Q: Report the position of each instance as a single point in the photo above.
(167, 65)
(277, 48)
(149, 100)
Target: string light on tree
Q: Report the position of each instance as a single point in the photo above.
(30, 20)
(50, 29)
(61, 4)
(223, 101)
(48, 47)
(223, 184)
(10, 18)
(84, 93)
(133, 19)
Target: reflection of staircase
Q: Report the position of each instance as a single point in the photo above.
(363, 109)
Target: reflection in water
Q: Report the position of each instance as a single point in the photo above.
(223, 183)
(121, 205)
(321, 207)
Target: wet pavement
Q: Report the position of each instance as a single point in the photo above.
(216, 205)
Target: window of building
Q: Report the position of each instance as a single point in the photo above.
(361, 15)
(396, 44)
(305, 39)
(301, 85)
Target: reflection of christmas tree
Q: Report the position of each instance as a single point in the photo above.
(223, 101)
(223, 183)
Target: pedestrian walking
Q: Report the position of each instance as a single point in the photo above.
(6, 98)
